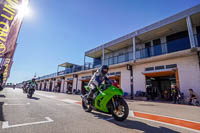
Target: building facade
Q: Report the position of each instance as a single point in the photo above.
(161, 54)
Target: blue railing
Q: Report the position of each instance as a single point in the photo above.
(197, 40)
(169, 47)
(119, 59)
(152, 51)
(178, 45)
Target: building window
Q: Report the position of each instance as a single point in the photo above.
(171, 66)
(159, 67)
(149, 69)
(156, 42)
(178, 41)
(147, 49)
(198, 35)
(157, 47)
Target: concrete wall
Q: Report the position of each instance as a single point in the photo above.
(125, 78)
(62, 86)
(74, 84)
(188, 70)
(79, 79)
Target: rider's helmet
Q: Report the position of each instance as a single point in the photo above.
(33, 79)
(104, 69)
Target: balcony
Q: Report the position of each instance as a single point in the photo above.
(197, 40)
(119, 59)
(169, 47)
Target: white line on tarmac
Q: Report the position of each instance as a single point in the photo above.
(44, 95)
(11, 98)
(131, 114)
(63, 104)
(69, 101)
(6, 125)
(6, 104)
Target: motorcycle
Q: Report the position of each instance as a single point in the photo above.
(107, 99)
(76, 92)
(30, 91)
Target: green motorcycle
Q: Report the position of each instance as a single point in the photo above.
(107, 99)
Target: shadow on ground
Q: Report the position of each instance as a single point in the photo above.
(35, 98)
(1, 112)
(134, 124)
(2, 96)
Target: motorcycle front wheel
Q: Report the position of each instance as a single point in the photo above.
(121, 112)
(86, 107)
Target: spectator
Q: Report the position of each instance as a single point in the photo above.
(1, 74)
(149, 92)
(175, 93)
(192, 97)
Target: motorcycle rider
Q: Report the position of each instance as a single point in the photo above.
(33, 84)
(97, 79)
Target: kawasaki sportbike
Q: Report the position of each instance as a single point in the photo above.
(107, 99)
(30, 90)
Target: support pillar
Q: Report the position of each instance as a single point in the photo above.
(190, 31)
(134, 50)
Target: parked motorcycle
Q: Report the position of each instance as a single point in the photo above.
(107, 99)
(76, 92)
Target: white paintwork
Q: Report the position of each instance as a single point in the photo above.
(69, 101)
(6, 125)
(7, 104)
(49, 96)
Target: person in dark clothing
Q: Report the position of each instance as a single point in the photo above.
(175, 93)
(97, 79)
(1, 74)
(149, 92)
(193, 97)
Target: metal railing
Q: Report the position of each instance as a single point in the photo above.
(164, 48)
(197, 40)
(119, 59)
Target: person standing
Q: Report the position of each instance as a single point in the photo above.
(175, 93)
(1, 77)
(193, 97)
(1, 74)
(149, 92)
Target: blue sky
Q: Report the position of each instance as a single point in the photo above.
(62, 30)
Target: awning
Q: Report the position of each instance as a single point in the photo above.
(114, 77)
(66, 64)
(85, 80)
(160, 73)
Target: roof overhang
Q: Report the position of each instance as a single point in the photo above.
(160, 73)
(66, 64)
(97, 52)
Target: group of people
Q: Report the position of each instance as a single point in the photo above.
(172, 94)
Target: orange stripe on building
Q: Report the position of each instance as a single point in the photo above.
(174, 121)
